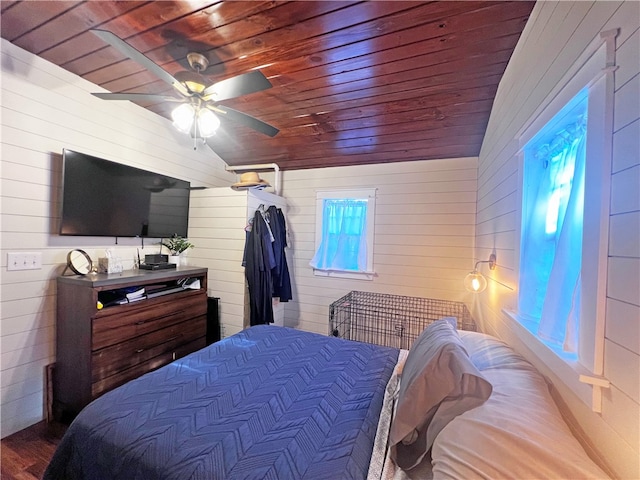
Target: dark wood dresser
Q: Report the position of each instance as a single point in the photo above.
(104, 340)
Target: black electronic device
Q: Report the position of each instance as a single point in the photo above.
(213, 320)
(157, 258)
(105, 198)
(156, 266)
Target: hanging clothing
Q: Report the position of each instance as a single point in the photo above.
(265, 263)
(281, 279)
(259, 262)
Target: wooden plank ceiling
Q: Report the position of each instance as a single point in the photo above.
(353, 82)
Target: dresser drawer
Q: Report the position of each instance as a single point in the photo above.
(106, 384)
(121, 356)
(143, 317)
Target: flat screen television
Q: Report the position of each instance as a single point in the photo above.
(105, 198)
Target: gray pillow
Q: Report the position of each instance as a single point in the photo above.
(438, 383)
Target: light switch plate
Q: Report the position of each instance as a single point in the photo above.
(24, 261)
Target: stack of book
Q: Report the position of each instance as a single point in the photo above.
(134, 293)
(121, 296)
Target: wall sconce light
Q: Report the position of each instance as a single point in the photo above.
(475, 281)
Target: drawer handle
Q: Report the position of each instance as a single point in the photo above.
(169, 315)
(140, 350)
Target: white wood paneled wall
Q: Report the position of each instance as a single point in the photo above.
(557, 33)
(45, 109)
(424, 233)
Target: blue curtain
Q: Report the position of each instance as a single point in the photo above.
(343, 246)
(551, 256)
(559, 321)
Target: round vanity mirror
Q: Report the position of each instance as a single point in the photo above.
(79, 262)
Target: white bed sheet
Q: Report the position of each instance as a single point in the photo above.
(381, 466)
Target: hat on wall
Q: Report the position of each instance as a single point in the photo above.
(248, 180)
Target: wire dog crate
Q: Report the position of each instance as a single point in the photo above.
(391, 320)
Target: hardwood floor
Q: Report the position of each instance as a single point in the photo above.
(26, 454)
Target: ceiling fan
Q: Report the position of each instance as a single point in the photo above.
(199, 112)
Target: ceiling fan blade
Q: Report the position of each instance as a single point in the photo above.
(247, 120)
(244, 84)
(126, 49)
(137, 97)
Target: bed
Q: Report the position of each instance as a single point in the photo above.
(268, 402)
(277, 403)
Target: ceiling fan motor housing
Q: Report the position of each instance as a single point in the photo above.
(197, 61)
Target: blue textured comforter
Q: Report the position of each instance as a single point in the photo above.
(268, 402)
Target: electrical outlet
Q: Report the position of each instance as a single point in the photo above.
(24, 261)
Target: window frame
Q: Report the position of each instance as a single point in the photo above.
(593, 69)
(368, 194)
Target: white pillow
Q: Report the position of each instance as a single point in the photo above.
(517, 433)
(438, 383)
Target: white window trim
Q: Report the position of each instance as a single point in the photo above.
(594, 68)
(368, 193)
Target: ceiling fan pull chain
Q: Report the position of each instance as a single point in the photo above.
(195, 129)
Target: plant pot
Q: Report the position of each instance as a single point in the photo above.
(174, 259)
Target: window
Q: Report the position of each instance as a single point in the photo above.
(565, 179)
(552, 226)
(344, 233)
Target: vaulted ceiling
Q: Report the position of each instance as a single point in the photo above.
(353, 82)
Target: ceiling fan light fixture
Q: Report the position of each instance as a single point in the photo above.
(183, 117)
(208, 122)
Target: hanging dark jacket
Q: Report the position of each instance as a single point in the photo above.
(281, 279)
(260, 261)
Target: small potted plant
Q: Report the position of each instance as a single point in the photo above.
(176, 246)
